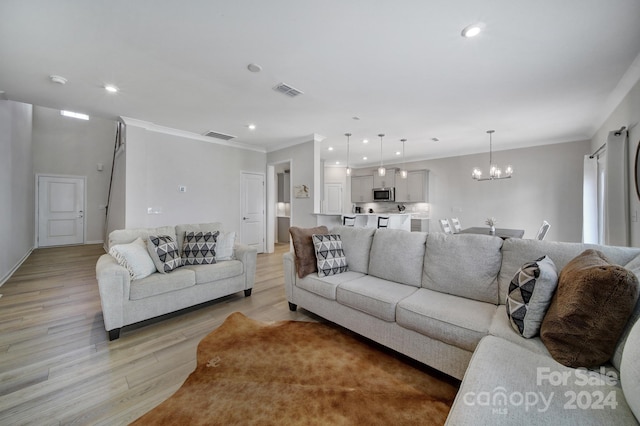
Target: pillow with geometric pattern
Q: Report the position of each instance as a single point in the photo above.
(199, 248)
(329, 254)
(164, 253)
(530, 294)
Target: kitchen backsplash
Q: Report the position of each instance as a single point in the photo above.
(390, 207)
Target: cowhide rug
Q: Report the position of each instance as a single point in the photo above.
(300, 373)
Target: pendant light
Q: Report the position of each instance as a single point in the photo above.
(495, 172)
(403, 171)
(348, 135)
(381, 170)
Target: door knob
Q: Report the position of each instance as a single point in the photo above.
(245, 218)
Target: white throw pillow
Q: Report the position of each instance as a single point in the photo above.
(224, 245)
(135, 257)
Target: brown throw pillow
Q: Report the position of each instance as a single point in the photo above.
(304, 249)
(591, 307)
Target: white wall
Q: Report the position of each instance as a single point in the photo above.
(305, 169)
(547, 185)
(626, 114)
(68, 146)
(17, 186)
(157, 163)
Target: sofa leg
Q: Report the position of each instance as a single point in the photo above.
(292, 307)
(114, 334)
(247, 292)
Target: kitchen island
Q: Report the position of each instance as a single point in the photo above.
(366, 220)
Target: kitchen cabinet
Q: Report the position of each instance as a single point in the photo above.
(284, 188)
(361, 189)
(419, 225)
(283, 229)
(386, 181)
(413, 189)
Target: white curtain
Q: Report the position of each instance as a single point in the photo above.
(590, 201)
(616, 200)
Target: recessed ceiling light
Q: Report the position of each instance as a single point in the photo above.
(398, 153)
(472, 30)
(251, 126)
(254, 67)
(330, 148)
(365, 140)
(364, 158)
(111, 88)
(58, 79)
(74, 115)
(337, 162)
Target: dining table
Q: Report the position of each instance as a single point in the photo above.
(503, 233)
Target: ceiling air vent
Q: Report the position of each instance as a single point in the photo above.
(287, 90)
(219, 135)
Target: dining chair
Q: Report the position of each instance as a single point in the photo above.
(456, 224)
(349, 220)
(383, 221)
(542, 232)
(446, 228)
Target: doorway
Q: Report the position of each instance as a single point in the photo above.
(60, 210)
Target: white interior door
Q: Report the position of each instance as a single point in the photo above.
(60, 210)
(252, 210)
(333, 197)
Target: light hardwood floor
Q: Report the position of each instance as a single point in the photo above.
(57, 365)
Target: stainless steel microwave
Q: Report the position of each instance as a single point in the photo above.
(384, 194)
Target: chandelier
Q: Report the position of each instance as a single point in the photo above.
(495, 172)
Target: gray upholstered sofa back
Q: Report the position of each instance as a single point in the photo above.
(356, 244)
(465, 265)
(125, 236)
(397, 255)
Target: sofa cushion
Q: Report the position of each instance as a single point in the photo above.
(329, 254)
(374, 296)
(517, 251)
(397, 255)
(224, 245)
(134, 257)
(530, 293)
(501, 327)
(199, 248)
(630, 370)
(356, 244)
(451, 319)
(216, 271)
(506, 384)
(156, 284)
(164, 252)
(326, 286)
(589, 311)
(304, 249)
(181, 230)
(464, 265)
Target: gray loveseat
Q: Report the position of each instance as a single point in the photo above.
(126, 301)
(440, 299)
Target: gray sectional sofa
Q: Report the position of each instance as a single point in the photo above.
(440, 299)
(126, 301)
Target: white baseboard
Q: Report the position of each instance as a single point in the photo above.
(94, 242)
(15, 268)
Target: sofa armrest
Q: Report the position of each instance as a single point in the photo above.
(289, 274)
(247, 255)
(114, 283)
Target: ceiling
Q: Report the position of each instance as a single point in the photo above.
(542, 72)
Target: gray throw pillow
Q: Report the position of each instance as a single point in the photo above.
(199, 248)
(530, 294)
(329, 254)
(164, 252)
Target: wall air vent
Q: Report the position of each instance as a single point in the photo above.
(287, 90)
(219, 135)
